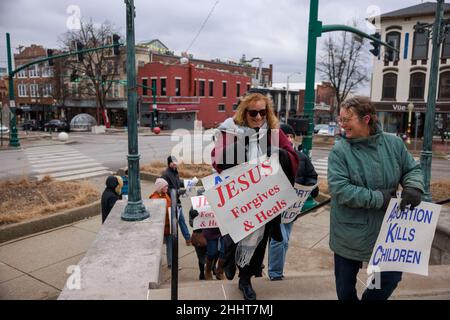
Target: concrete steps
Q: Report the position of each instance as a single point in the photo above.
(308, 286)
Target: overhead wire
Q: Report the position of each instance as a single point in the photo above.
(202, 26)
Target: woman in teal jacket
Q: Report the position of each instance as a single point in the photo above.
(365, 169)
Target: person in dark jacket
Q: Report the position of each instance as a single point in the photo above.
(110, 195)
(307, 176)
(246, 136)
(173, 179)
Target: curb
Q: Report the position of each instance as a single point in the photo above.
(25, 228)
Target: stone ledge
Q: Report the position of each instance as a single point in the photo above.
(25, 228)
(125, 258)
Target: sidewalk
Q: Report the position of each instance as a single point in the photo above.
(36, 267)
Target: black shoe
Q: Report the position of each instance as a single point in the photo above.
(276, 278)
(201, 276)
(247, 290)
(230, 270)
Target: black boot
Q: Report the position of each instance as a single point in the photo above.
(201, 267)
(246, 287)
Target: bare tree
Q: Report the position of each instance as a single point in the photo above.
(344, 63)
(97, 70)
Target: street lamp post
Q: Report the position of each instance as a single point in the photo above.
(13, 138)
(410, 110)
(417, 128)
(135, 209)
(288, 96)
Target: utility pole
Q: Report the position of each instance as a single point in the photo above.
(13, 137)
(315, 30)
(426, 153)
(135, 209)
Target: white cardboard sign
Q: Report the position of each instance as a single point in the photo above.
(405, 238)
(253, 195)
(206, 217)
(303, 193)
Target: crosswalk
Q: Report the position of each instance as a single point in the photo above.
(63, 163)
(321, 166)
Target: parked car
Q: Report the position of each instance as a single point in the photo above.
(57, 125)
(4, 129)
(317, 127)
(31, 125)
(324, 131)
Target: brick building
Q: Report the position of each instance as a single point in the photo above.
(189, 92)
(36, 88)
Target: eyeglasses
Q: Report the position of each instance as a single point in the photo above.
(344, 120)
(254, 113)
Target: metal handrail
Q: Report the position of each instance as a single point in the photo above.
(174, 224)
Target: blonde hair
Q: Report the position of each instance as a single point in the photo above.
(240, 116)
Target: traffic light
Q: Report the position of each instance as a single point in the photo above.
(376, 45)
(116, 38)
(74, 77)
(80, 47)
(49, 54)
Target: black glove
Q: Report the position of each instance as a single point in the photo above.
(387, 195)
(411, 196)
(315, 192)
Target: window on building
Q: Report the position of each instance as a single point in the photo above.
(163, 87)
(144, 87)
(178, 87)
(248, 86)
(221, 107)
(444, 85)
(116, 91)
(195, 88)
(393, 38)
(33, 71)
(224, 89)
(211, 88)
(417, 86)
(34, 90)
(47, 89)
(389, 86)
(22, 90)
(154, 86)
(420, 46)
(235, 106)
(238, 89)
(201, 88)
(22, 74)
(446, 46)
(74, 89)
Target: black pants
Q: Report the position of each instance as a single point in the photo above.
(346, 270)
(254, 267)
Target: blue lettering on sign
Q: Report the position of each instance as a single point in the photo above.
(396, 255)
(218, 179)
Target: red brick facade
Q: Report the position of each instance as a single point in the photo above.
(194, 94)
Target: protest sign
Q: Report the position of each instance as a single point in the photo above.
(405, 239)
(303, 193)
(206, 217)
(250, 197)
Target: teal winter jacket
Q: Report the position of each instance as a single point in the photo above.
(357, 170)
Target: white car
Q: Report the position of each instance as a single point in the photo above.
(4, 129)
(324, 131)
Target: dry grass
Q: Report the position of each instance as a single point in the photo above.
(24, 199)
(184, 170)
(440, 190)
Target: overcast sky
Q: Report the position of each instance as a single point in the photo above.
(275, 30)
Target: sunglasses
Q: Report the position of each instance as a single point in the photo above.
(254, 113)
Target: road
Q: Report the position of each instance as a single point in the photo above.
(109, 151)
